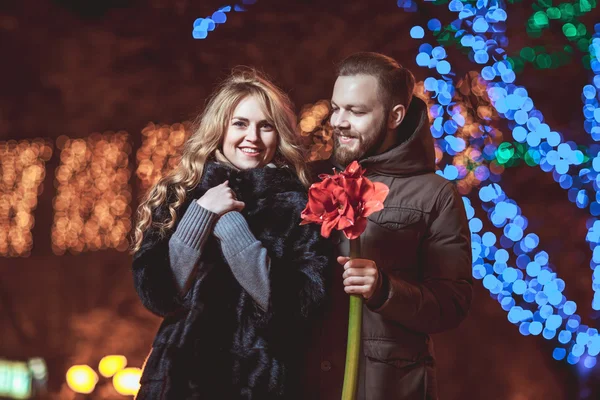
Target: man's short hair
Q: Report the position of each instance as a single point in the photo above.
(396, 83)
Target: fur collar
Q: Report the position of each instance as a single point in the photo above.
(251, 186)
(248, 184)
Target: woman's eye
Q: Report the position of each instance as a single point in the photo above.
(239, 123)
(268, 127)
(357, 112)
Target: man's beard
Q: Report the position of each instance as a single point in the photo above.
(367, 145)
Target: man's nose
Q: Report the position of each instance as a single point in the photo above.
(339, 120)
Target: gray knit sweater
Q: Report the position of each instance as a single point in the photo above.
(245, 254)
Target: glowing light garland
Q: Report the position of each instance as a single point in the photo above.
(572, 29)
(91, 207)
(314, 125)
(204, 25)
(526, 274)
(160, 151)
(22, 170)
(566, 13)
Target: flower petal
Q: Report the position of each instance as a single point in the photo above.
(352, 188)
(374, 202)
(381, 191)
(319, 200)
(331, 184)
(343, 223)
(354, 231)
(370, 207)
(347, 219)
(353, 170)
(366, 190)
(308, 216)
(328, 226)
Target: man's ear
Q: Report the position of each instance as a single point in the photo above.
(396, 116)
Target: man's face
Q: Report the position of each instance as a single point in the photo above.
(359, 118)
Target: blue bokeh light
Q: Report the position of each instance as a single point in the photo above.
(511, 263)
(202, 26)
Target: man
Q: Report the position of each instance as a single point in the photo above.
(415, 268)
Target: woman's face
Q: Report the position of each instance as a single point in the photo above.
(250, 141)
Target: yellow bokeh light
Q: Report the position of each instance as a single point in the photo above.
(82, 379)
(473, 104)
(127, 381)
(93, 193)
(314, 125)
(22, 170)
(160, 151)
(110, 365)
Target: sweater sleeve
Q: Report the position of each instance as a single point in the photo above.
(154, 276)
(246, 256)
(187, 242)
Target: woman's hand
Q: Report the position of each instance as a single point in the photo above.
(220, 200)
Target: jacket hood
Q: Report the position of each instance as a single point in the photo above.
(415, 155)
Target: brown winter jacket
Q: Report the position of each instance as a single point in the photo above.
(421, 244)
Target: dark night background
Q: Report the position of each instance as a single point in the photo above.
(70, 67)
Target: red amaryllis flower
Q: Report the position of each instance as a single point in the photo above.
(343, 201)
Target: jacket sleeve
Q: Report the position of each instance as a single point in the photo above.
(152, 275)
(442, 299)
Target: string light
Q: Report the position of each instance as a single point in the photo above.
(127, 381)
(566, 13)
(82, 379)
(22, 170)
(407, 5)
(204, 25)
(540, 58)
(314, 126)
(160, 151)
(110, 365)
(91, 207)
(591, 92)
(526, 274)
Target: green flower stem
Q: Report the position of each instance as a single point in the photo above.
(354, 330)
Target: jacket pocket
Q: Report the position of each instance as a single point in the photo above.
(393, 371)
(392, 352)
(397, 218)
(393, 238)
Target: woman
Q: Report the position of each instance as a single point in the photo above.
(220, 255)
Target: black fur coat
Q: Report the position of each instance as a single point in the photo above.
(215, 342)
